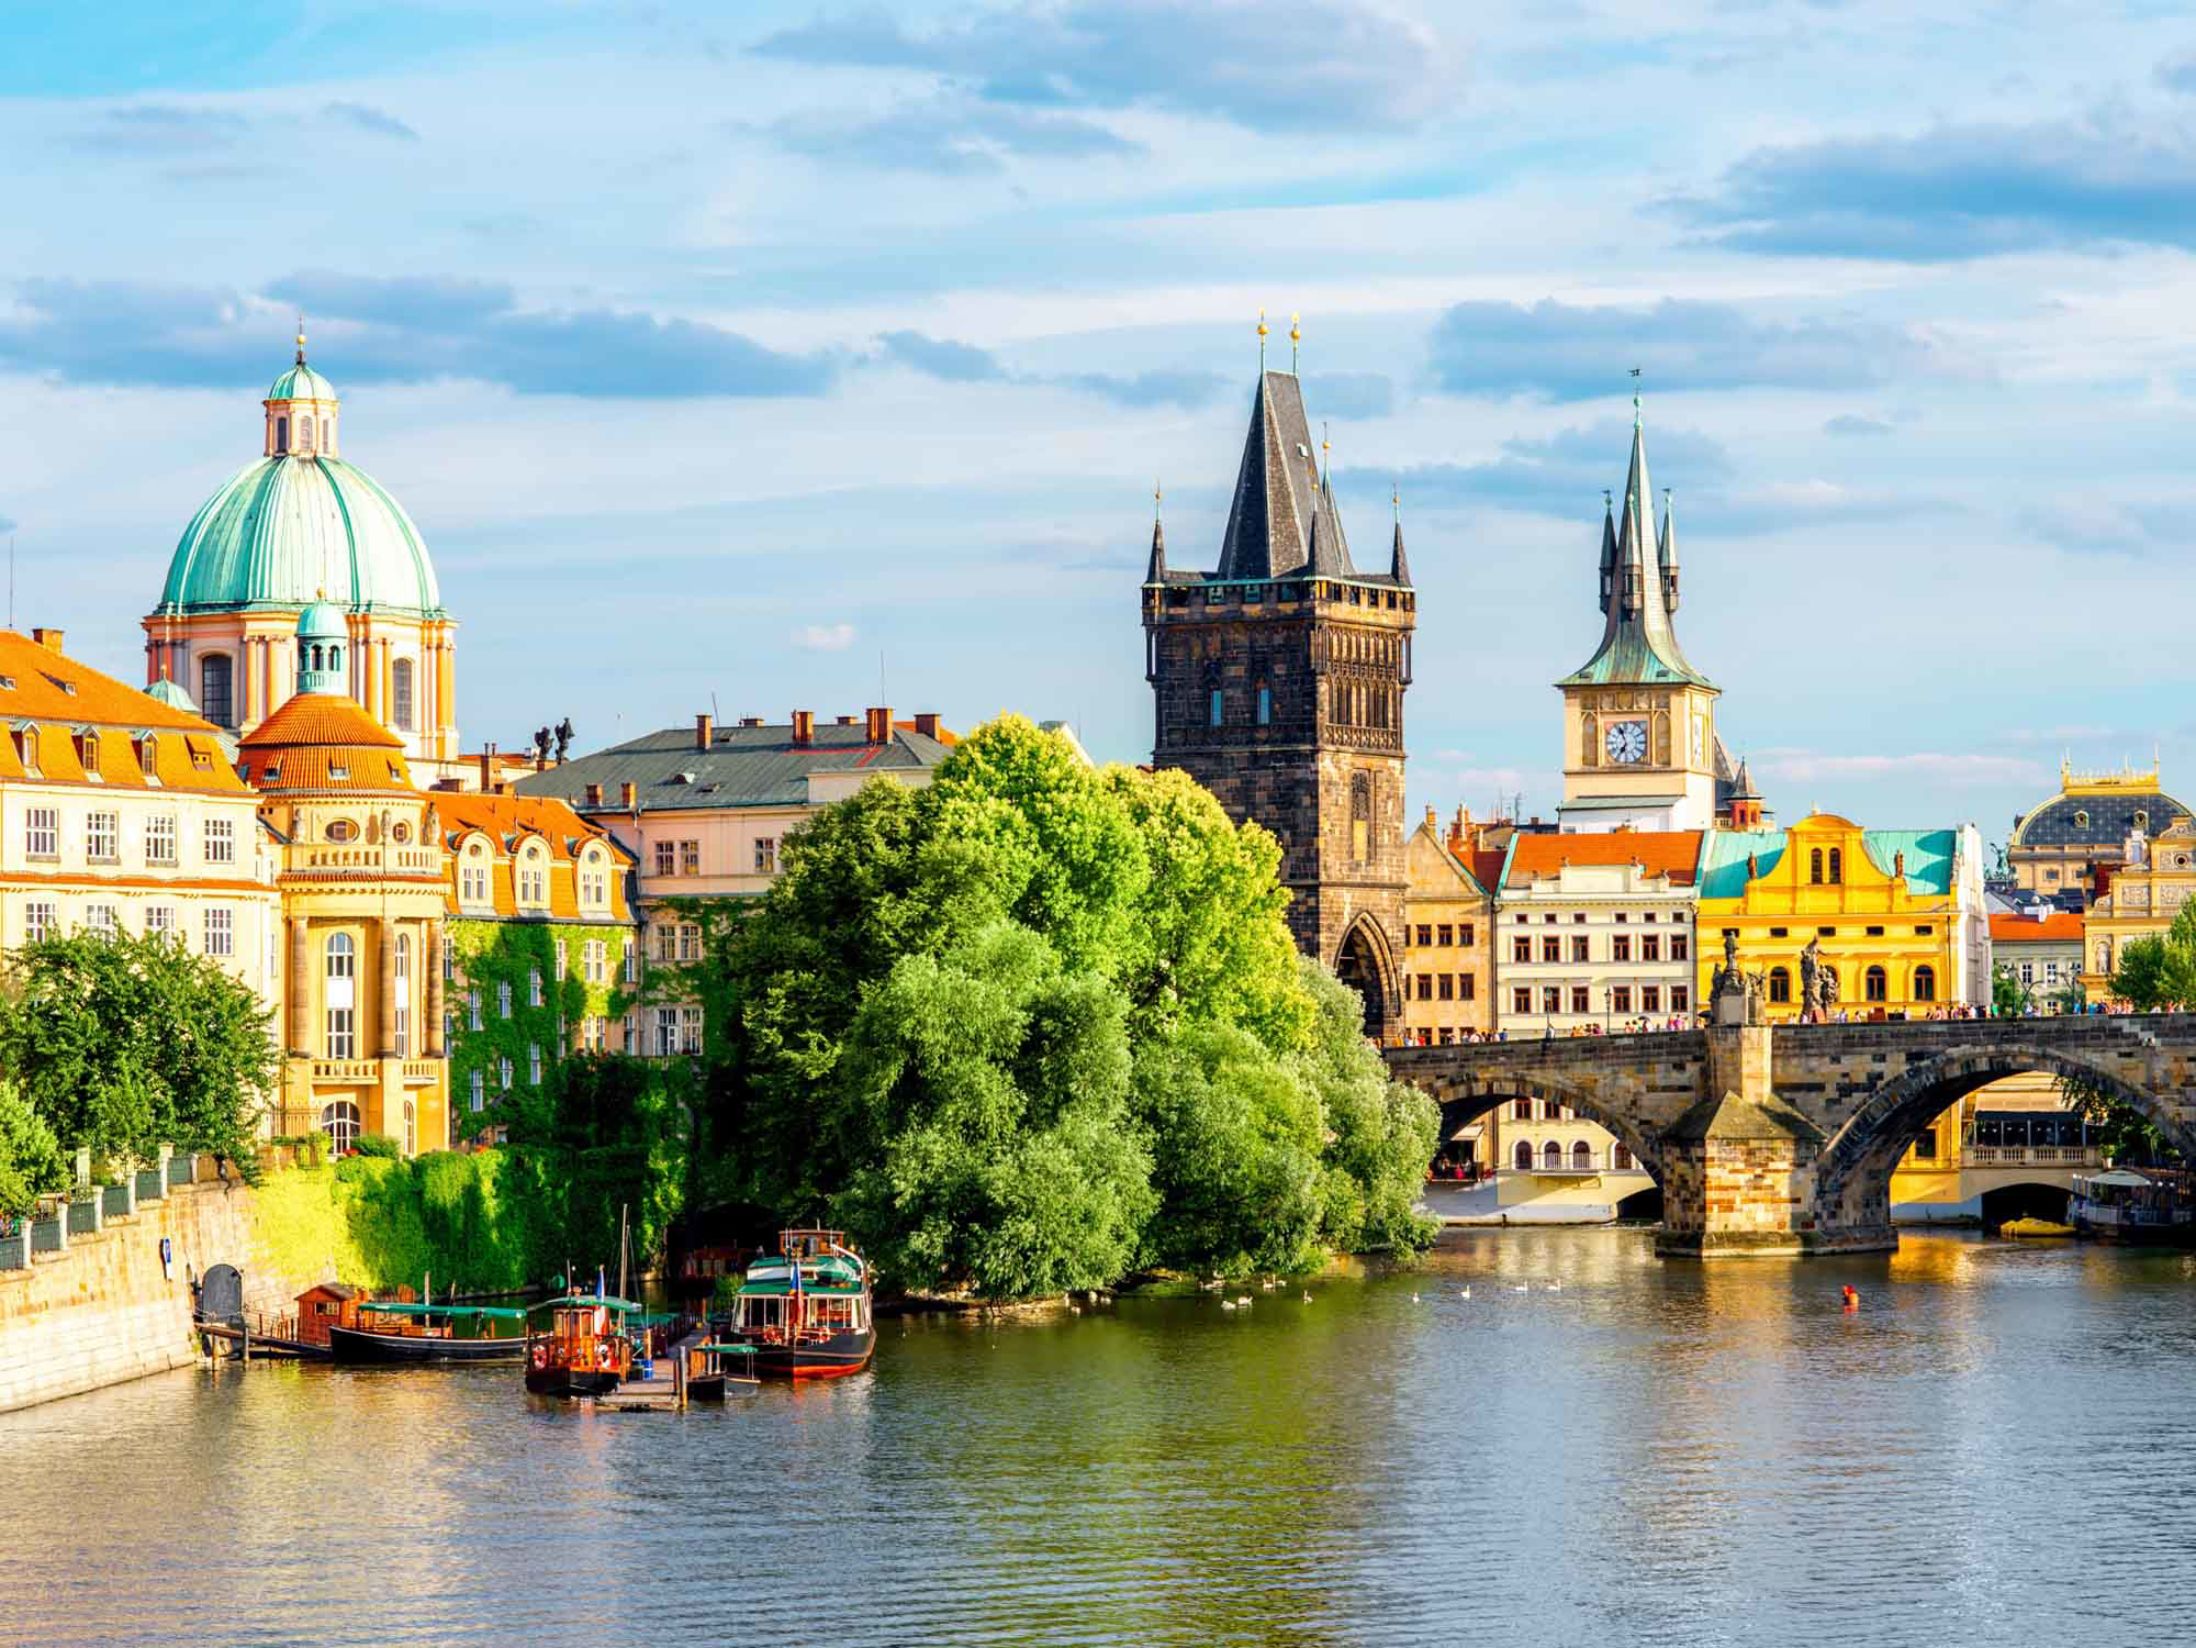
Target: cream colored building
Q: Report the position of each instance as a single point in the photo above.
(120, 811)
(2155, 877)
(1448, 984)
(705, 812)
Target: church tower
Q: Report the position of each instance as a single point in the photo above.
(1278, 682)
(1639, 731)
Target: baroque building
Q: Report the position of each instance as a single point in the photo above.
(296, 525)
(120, 811)
(361, 876)
(1448, 938)
(2068, 847)
(1640, 749)
(1278, 681)
(538, 956)
(2144, 887)
(1894, 921)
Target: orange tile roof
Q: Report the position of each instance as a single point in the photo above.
(48, 700)
(1672, 853)
(323, 741)
(503, 818)
(2061, 926)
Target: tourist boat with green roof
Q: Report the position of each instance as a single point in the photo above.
(806, 1311)
(388, 1333)
(587, 1348)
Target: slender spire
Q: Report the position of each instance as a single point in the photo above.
(1399, 567)
(1667, 552)
(1261, 343)
(1156, 572)
(1296, 344)
(1608, 549)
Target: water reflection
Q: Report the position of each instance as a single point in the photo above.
(1625, 1451)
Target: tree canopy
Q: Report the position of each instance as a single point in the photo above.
(1038, 1025)
(2158, 973)
(124, 1043)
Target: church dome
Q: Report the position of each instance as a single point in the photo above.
(298, 521)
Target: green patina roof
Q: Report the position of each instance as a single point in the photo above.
(1723, 864)
(165, 691)
(1639, 642)
(500, 1313)
(285, 530)
(1928, 858)
(301, 383)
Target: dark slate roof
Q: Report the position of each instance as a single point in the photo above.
(1638, 643)
(2110, 817)
(743, 766)
(1283, 521)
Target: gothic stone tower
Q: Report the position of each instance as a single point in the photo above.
(1279, 682)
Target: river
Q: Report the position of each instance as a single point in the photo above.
(1998, 1447)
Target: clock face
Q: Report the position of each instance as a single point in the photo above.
(1627, 742)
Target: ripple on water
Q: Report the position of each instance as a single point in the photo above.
(1992, 1450)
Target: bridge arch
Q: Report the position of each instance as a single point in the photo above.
(1365, 961)
(1853, 1170)
(1465, 1098)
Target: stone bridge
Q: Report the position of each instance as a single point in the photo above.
(1781, 1139)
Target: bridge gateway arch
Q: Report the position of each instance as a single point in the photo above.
(1781, 1139)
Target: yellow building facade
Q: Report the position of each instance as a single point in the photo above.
(1448, 942)
(1893, 920)
(362, 877)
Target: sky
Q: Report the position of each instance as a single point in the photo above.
(768, 356)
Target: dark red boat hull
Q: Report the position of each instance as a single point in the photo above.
(833, 1358)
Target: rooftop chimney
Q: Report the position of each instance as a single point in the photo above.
(804, 728)
(843, 720)
(880, 725)
(488, 770)
(47, 638)
(705, 729)
(751, 720)
(594, 795)
(926, 723)
(626, 795)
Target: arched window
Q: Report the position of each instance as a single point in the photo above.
(315, 657)
(1814, 867)
(216, 689)
(1218, 710)
(1620, 1159)
(1361, 813)
(1265, 706)
(1551, 1157)
(1523, 1155)
(411, 1130)
(340, 1122)
(340, 991)
(1925, 983)
(305, 433)
(1780, 984)
(282, 436)
(1582, 1157)
(400, 694)
(403, 1002)
(335, 655)
(2081, 820)
(1877, 984)
(1837, 866)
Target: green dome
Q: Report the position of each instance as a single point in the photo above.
(165, 691)
(284, 531)
(322, 621)
(301, 383)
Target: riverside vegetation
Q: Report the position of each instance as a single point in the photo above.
(1037, 1027)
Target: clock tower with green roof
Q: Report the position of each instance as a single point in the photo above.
(1639, 721)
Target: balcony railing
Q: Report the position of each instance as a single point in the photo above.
(2034, 1155)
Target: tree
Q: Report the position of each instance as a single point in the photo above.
(2009, 997)
(31, 1163)
(123, 1044)
(1037, 1023)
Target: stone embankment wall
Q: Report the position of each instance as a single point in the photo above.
(102, 1311)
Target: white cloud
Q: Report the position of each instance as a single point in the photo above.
(824, 637)
(1803, 766)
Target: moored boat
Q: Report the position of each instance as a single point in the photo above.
(384, 1332)
(585, 1350)
(2123, 1204)
(715, 1367)
(807, 1311)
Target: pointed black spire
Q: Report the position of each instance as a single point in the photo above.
(1399, 567)
(1282, 510)
(1666, 552)
(1156, 572)
(1608, 549)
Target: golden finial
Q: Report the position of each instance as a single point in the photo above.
(301, 339)
(1261, 340)
(1296, 343)
(1326, 453)
(1157, 495)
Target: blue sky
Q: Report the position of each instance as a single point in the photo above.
(744, 353)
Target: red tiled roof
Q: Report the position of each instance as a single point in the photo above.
(51, 697)
(322, 741)
(1672, 853)
(2062, 926)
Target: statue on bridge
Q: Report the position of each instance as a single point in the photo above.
(1736, 996)
(1818, 984)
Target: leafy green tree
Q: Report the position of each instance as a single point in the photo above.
(123, 1044)
(1037, 1023)
(31, 1162)
(2009, 997)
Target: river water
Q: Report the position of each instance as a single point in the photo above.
(1999, 1447)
